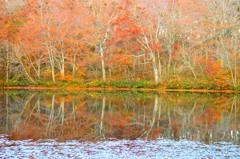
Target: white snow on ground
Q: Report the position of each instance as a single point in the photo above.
(130, 149)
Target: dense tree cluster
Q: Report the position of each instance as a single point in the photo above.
(157, 40)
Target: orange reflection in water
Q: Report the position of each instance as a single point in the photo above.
(98, 116)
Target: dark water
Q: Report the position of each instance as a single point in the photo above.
(40, 124)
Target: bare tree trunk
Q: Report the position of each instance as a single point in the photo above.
(74, 66)
(159, 66)
(51, 59)
(39, 68)
(18, 56)
(102, 62)
(236, 59)
(62, 68)
(52, 69)
(145, 44)
(155, 68)
(48, 46)
(169, 59)
(62, 61)
(26, 73)
(7, 63)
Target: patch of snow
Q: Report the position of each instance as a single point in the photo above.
(133, 149)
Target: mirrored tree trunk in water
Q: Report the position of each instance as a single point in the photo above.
(96, 116)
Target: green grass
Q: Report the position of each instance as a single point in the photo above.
(171, 84)
(191, 84)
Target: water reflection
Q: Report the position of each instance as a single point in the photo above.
(93, 116)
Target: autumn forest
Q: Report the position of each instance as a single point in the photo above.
(191, 44)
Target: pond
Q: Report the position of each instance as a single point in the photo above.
(120, 124)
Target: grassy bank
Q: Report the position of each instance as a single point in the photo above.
(121, 84)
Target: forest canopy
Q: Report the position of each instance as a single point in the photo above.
(174, 43)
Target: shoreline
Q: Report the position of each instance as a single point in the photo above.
(117, 89)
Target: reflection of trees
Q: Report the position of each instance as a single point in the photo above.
(102, 116)
(92, 116)
(156, 108)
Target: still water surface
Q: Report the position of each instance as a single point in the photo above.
(47, 124)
